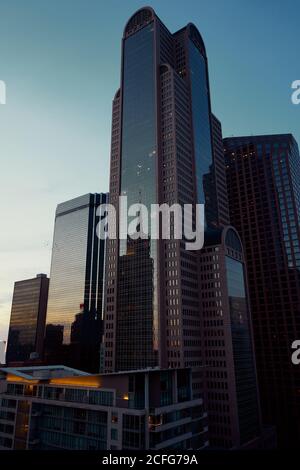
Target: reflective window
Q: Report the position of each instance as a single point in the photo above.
(202, 133)
(28, 312)
(74, 313)
(242, 351)
(137, 325)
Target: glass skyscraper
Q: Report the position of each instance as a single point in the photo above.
(161, 152)
(74, 312)
(263, 176)
(27, 321)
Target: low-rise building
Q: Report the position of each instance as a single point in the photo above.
(56, 407)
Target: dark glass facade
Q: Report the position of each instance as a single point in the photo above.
(263, 178)
(138, 164)
(201, 118)
(74, 312)
(135, 307)
(244, 368)
(27, 321)
(219, 173)
(137, 294)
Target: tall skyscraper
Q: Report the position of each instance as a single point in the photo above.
(161, 152)
(74, 312)
(27, 321)
(263, 176)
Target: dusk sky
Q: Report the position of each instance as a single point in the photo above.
(60, 60)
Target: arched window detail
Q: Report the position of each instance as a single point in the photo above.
(232, 241)
(138, 20)
(196, 37)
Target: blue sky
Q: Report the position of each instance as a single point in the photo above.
(60, 60)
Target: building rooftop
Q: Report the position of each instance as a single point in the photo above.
(59, 374)
(249, 139)
(42, 372)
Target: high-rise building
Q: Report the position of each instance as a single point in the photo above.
(74, 312)
(161, 152)
(56, 407)
(27, 321)
(230, 385)
(263, 177)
